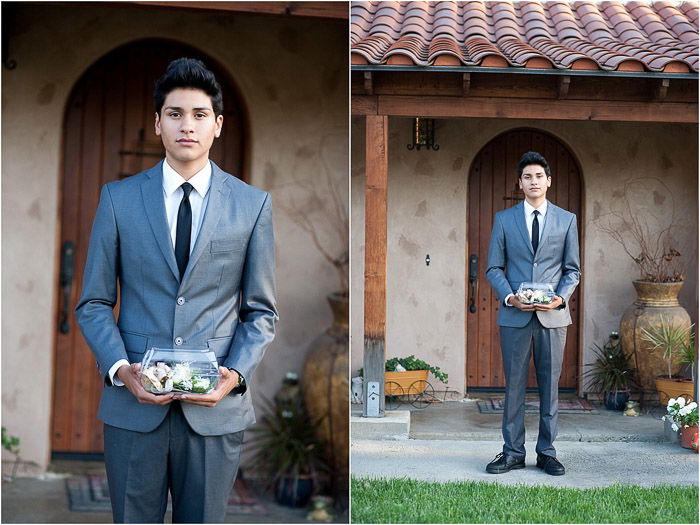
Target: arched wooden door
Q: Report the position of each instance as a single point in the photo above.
(108, 135)
(493, 186)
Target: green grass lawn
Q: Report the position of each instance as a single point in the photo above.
(409, 501)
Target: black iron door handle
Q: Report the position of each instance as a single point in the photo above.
(66, 282)
(473, 281)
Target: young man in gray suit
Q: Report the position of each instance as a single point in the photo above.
(189, 251)
(534, 241)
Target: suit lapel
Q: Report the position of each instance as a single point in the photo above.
(519, 210)
(550, 221)
(218, 195)
(152, 192)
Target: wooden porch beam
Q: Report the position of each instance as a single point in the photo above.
(337, 10)
(503, 107)
(363, 105)
(376, 175)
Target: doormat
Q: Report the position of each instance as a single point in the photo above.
(532, 406)
(90, 493)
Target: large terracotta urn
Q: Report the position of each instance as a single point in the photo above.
(655, 301)
(326, 389)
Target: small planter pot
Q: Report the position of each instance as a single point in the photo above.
(616, 400)
(689, 436)
(670, 435)
(294, 492)
(674, 387)
(412, 381)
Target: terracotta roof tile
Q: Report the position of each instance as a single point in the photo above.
(608, 35)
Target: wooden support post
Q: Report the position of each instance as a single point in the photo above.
(376, 172)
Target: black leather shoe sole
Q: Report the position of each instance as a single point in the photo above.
(503, 469)
(553, 468)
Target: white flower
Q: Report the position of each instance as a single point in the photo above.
(201, 383)
(692, 406)
(688, 409)
(182, 372)
(674, 427)
(671, 402)
(681, 401)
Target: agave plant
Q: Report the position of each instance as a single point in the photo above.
(688, 353)
(611, 372)
(286, 442)
(676, 341)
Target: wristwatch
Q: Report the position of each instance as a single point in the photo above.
(240, 387)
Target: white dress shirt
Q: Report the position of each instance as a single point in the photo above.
(172, 194)
(529, 218)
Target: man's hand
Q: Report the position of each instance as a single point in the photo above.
(556, 303)
(228, 380)
(525, 307)
(129, 375)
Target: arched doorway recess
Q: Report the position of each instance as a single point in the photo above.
(493, 187)
(108, 135)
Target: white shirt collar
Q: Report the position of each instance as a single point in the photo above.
(172, 180)
(529, 208)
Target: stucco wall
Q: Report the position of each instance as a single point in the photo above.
(427, 210)
(292, 76)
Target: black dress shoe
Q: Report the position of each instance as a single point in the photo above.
(503, 463)
(550, 465)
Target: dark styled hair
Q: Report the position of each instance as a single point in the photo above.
(188, 73)
(532, 157)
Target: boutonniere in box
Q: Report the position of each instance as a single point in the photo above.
(165, 370)
(535, 293)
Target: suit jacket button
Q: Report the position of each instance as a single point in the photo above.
(535, 264)
(180, 301)
(178, 341)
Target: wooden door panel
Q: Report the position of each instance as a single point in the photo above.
(108, 135)
(492, 188)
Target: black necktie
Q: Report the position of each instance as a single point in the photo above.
(535, 231)
(184, 230)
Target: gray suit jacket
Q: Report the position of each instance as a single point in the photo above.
(228, 292)
(513, 261)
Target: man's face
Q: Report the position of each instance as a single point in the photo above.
(534, 181)
(187, 125)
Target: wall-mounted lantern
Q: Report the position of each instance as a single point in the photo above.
(423, 134)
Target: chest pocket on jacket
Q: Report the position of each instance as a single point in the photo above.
(228, 245)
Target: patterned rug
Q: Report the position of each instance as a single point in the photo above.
(91, 494)
(532, 405)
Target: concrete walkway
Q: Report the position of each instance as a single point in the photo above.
(452, 441)
(588, 464)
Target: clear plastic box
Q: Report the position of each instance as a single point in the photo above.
(165, 370)
(535, 293)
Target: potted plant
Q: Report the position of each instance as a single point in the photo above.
(611, 375)
(684, 417)
(677, 344)
(403, 375)
(410, 374)
(646, 225)
(288, 451)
